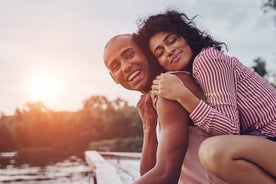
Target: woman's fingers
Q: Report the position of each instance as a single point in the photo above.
(156, 81)
(154, 91)
(154, 87)
(158, 77)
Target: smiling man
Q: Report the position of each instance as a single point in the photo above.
(127, 65)
(166, 141)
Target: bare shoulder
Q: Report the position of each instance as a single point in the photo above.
(170, 111)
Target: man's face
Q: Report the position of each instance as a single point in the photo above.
(126, 63)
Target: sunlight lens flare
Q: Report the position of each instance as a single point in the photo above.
(44, 87)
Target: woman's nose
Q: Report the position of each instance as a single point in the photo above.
(169, 51)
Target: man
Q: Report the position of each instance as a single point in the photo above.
(162, 154)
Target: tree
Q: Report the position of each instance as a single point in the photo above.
(268, 5)
(36, 107)
(96, 102)
(260, 66)
(2, 114)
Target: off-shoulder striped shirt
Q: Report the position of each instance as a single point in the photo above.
(238, 99)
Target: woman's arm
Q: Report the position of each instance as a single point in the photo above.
(216, 76)
(215, 73)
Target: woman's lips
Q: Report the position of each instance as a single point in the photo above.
(175, 57)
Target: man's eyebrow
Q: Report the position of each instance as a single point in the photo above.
(122, 54)
(164, 40)
(126, 51)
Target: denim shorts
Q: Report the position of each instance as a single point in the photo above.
(272, 138)
(257, 133)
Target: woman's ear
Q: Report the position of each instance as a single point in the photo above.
(116, 81)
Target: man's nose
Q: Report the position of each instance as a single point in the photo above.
(126, 66)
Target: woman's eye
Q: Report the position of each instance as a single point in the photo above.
(159, 53)
(172, 39)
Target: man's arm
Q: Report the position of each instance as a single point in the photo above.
(149, 118)
(172, 144)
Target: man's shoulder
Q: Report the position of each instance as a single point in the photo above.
(169, 109)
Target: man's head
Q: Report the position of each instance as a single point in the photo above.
(127, 64)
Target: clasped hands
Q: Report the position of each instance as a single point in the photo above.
(167, 86)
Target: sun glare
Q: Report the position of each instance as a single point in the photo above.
(44, 87)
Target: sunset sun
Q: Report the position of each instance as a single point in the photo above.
(44, 87)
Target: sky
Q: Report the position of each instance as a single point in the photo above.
(51, 51)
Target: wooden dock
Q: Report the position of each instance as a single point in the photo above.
(113, 167)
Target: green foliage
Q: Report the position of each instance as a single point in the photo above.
(69, 132)
(269, 4)
(131, 144)
(260, 67)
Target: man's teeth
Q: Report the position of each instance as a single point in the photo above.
(133, 75)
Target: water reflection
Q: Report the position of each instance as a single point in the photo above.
(71, 170)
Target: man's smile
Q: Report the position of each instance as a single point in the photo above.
(134, 74)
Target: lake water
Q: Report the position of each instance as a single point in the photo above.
(72, 170)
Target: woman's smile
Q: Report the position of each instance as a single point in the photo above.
(175, 57)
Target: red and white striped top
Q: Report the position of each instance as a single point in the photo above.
(238, 99)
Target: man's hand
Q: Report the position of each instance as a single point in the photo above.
(147, 112)
(149, 118)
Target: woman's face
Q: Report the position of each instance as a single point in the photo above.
(171, 50)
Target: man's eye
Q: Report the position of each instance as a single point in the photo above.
(130, 54)
(114, 67)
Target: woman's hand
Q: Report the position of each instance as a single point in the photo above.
(179, 87)
(168, 86)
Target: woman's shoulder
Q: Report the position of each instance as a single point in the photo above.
(209, 55)
(204, 56)
(208, 59)
(210, 52)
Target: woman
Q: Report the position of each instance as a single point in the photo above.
(239, 101)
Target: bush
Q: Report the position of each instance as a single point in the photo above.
(131, 144)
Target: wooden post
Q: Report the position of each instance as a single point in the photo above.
(105, 172)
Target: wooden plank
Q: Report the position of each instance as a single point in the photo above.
(127, 169)
(122, 155)
(105, 173)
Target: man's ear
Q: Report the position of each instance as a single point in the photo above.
(117, 82)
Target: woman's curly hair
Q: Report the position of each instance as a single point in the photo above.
(179, 24)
